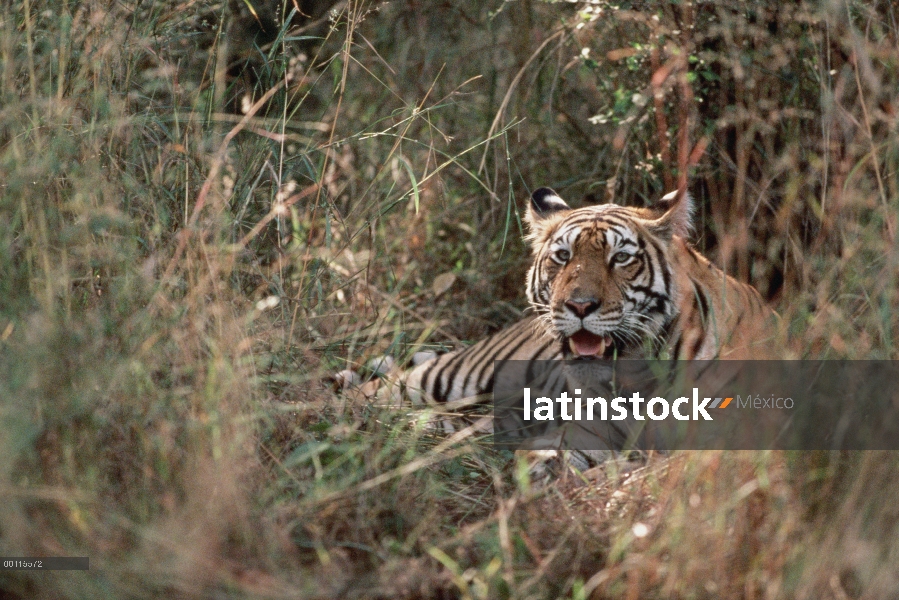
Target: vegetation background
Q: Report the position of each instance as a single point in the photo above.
(206, 207)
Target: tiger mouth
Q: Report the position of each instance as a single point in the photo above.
(587, 345)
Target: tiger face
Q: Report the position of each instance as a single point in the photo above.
(600, 278)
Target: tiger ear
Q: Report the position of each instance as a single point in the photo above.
(544, 205)
(676, 210)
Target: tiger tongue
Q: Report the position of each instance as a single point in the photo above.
(584, 343)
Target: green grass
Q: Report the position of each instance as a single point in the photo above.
(178, 278)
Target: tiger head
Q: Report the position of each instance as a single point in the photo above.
(602, 278)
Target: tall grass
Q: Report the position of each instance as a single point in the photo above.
(206, 208)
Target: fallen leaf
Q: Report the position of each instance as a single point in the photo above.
(442, 283)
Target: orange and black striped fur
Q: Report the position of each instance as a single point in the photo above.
(610, 281)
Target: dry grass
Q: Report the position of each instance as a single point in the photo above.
(177, 276)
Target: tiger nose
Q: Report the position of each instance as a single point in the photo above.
(582, 307)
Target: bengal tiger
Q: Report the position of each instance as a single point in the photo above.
(608, 282)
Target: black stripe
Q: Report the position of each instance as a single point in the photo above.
(440, 386)
(517, 335)
(451, 378)
(488, 366)
(697, 345)
(703, 302)
(439, 393)
(667, 330)
(426, 387)
(535, 356)
(675, 353)
(700, 297)
(520, 331)
(666, 274)
(489, 385)
(642, 267)
(659, 299)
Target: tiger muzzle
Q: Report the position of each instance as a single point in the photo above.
(583, 308)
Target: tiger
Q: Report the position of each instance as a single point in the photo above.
(608, 282)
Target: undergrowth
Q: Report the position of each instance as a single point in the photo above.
(208, 207)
